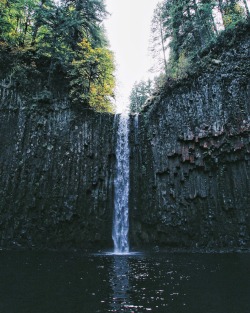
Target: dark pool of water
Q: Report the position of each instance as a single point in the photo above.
(58, 282)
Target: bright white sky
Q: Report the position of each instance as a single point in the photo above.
(128, 30)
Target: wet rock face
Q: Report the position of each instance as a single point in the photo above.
(190, 160)
(56, 179)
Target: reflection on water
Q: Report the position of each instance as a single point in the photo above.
(119, 280)
(181, 283)
(54, 282)
(141, 285)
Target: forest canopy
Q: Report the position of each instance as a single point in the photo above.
(58, 41)
(181, 30)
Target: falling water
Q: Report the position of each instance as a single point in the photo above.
(136, 126)
(121, 222)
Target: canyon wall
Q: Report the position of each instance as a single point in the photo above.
(190, 157)
(56, 174)
(189, 164)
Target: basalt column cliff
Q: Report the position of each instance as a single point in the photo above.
(190, 160)
(189, 163)
(56, 179)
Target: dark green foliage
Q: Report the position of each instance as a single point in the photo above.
(189, 26)
(41, 41)
(209, 61)
(141, 91)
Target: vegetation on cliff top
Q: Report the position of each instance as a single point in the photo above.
(57, 43)
(182, 32)
(140, 92)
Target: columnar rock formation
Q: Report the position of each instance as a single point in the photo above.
(56, 177)
(189, 164)
(191, 159)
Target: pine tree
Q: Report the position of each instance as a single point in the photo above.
(189, 26)
(246, 8)
(47, 38)
(140, 92)
(159, 36)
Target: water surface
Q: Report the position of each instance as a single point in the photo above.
(58, 282)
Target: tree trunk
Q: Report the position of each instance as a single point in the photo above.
(38, 23)
(200, 24)
(246, 6)
(163, 47)
(220, 7)
(197, 39)
(26, 28)
(211, 18)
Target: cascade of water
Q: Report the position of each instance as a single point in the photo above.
(136, 125)
(121, 214)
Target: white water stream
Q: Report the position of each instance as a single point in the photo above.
(121, 210)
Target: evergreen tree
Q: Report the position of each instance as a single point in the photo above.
(47, 38)
(159, 36)
(232, 13)
(246, 8)
(188, 26)
(92, 81)
(140, 92)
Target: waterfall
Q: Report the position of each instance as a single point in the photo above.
(121, 214)
(136, 126)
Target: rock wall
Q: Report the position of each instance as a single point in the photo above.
(189, 164)
(56, 174)
(190, 158)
